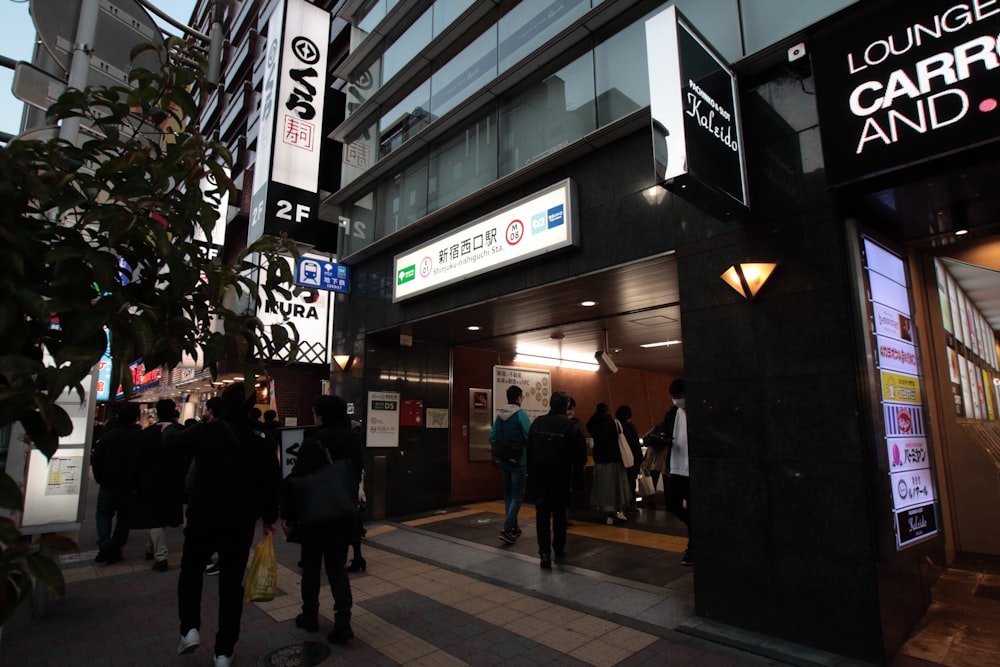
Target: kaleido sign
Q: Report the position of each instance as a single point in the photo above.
(907, 83)
(697, 140)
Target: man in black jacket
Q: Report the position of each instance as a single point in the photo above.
(113, 461)
(236, 481)
(557, 453)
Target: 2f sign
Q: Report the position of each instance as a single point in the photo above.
(292, 212)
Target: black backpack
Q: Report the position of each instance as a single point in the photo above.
(548, 451)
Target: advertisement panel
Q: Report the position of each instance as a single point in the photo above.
(904, 83)
(535, 383)
(530, 227)
(286, 174)
(896, 371)
(310, 309)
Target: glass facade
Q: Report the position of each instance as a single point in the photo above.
(607, 82)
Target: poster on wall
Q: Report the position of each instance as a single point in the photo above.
(383, 419)
(536, 385)
(896, 367)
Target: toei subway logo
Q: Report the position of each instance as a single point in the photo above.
(922, 96)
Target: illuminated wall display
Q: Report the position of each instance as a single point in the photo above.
(971, 348)
(536, 385)
(909, 82)
(897, 370)
(310, 309)
(383, 419)
(286, 173)
(697, 132)
(530, 227)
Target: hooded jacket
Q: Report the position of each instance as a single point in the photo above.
(505, 429)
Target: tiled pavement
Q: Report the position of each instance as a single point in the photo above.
(439, 590)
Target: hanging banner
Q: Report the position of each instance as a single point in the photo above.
(311, 311)
(286, 173)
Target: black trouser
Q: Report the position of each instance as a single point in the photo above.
(554, 537)
(111, 501)
(232, 543)
(333, 558)
(678, 497)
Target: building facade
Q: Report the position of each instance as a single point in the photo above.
(488, 166)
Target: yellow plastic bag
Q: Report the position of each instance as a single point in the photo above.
(262, 580)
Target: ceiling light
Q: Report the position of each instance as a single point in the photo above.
(556, 362)
(473, 327)
(961, 232)
(588, 303)
(662, 343)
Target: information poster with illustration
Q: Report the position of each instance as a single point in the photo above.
(383, 419)
(536, 385)
(897, 369)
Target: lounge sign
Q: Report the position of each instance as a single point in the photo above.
(697, 133)
(530, 227)
(286, 172)
(907, 83)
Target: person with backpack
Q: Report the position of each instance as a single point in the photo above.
(556, 455)
(508, 438)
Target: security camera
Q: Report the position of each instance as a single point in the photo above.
(797, 52)
(605, 361)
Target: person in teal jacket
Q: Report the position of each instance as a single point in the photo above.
(508, 438)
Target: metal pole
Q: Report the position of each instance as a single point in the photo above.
(79, 69)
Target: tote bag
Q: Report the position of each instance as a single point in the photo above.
(328, 495)
(623, 447)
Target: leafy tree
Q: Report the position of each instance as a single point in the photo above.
(100, 237)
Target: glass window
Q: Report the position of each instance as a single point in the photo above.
(764, 23)
(407, 45)
(446, 11)
(360, 222)
(405, 119)
(362, 85)
(530, 24)
(402, 199)
(718, 22)
(467, 162)
(372, 13)
(621, 74)
(359, 154)
(467, 72)
(548, 116)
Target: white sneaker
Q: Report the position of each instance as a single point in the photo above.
(621, 516)
(223, 660)
(189, 642)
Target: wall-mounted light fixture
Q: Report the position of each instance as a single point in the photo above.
(343, 361)
(748, 277)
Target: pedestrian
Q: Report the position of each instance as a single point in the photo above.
(656, 460)
(236, 482)
(579, 480)
(556, 455)
(508, 438)
(271, 424)
(678, 492)
(624, 416)
(213, 410)
(323, 543)
(609, 493)
(113, 463)
(156, 503)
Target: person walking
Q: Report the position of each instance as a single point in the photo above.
(156, 502)
(656, 460)
(325, 542)
(508, 438)
(624, 416)
(113, 463)
(609, 493)
(678, 492)
(556, 454)
(236, 481)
